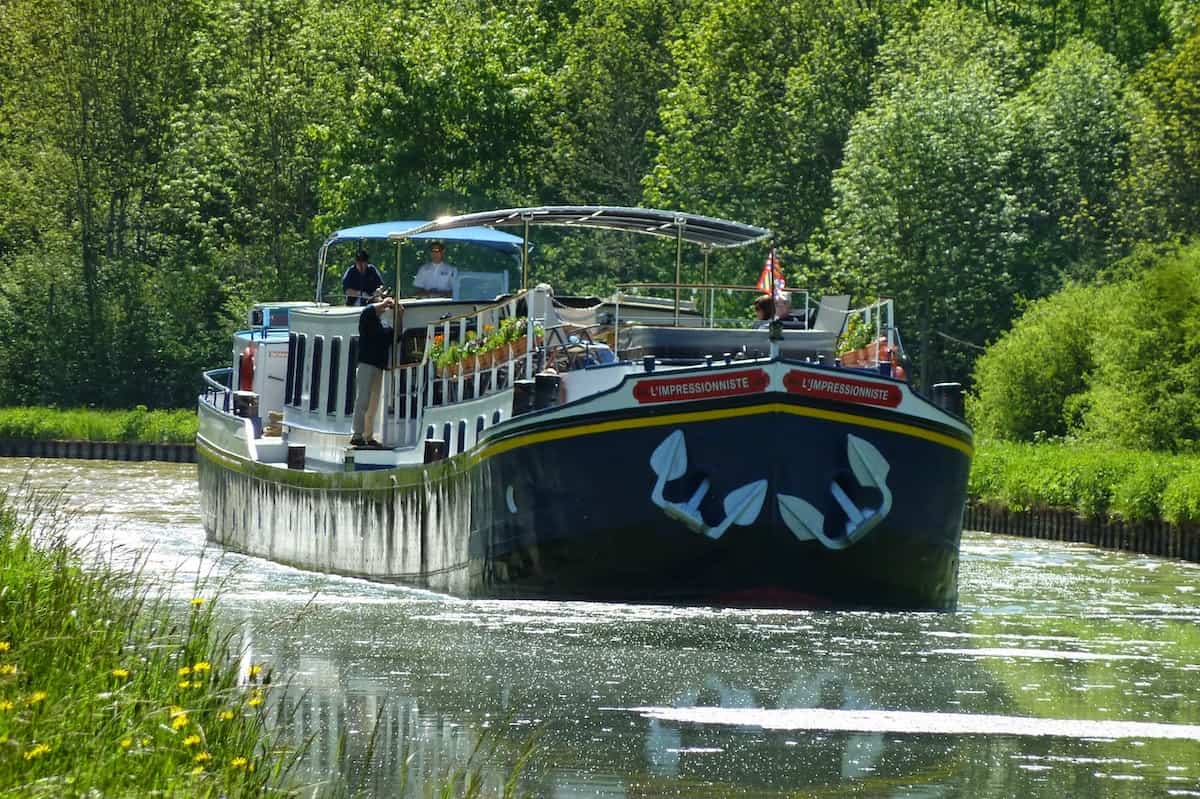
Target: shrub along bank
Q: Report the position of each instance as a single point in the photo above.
(107, 689)
(1091, 480)
(87, 424)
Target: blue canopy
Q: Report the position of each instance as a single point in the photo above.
(480, 236)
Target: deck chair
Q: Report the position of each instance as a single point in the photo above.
(831, 313)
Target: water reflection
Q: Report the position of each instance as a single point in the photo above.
(398, 687)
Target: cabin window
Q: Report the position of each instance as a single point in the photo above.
(351, 374)
(446, 436)
(298, 385)
(462, 435)
(496, 417)
(291, 369)
(335, 366)
(314, 388)
(480, 423)
(429, 432)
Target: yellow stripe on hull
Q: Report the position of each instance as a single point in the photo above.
(704, 416)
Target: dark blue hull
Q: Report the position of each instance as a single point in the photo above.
(663, 505)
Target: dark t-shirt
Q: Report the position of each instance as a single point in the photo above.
(374, 338)
(366, 282)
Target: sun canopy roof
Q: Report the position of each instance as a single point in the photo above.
(702, 230)
(481, 236)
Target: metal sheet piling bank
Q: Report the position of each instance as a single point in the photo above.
(98, 450)
(628, 449)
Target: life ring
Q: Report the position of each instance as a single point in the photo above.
(246, 368)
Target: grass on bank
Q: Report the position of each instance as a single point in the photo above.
(86, 424)
(106, 689)
(1089, 479)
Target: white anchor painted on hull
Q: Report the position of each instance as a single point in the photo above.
(670, 462)
(744, 504)
(870, 469)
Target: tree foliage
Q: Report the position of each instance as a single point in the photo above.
(163, 165)
(1116, 364)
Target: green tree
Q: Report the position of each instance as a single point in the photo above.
(1070, 143)
(924, 209)
(438, 123)
(757, 119)
(1162, 196)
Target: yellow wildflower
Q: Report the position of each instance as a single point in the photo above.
(238, 762)
(36, 751)
(5, 646)
(191, 740)
(37, 696)
(126, 743)
(255, 670)
(185, 671)
(120, 674)
(197, 601)
(185, 684)
(7, 670)
(202, 757)
(202, 666)
(179, 722)
(6, 704)
(256, 699)
(197, 771)
(226, 715)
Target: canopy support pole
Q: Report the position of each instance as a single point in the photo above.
(679, 223)
(321, 256)
(525, 253)
(708, 320)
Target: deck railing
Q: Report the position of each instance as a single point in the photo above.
(216, 388)
(422, 385)
(704, 302)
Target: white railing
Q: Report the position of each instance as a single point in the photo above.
(702, 305)
(882, 344)
(422, 385)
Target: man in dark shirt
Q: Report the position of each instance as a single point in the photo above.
(361, 280)
(374, 344)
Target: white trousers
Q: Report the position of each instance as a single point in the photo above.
(368, 382)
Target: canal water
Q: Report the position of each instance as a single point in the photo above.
(1066, 672)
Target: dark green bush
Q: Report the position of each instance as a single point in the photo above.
(1026, 379)
(1116, 365)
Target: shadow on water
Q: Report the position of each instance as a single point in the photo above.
(1027, 691)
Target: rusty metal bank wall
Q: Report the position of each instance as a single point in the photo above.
(1147, 537)
(97, 450)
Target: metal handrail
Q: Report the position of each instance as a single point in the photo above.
(213, 388)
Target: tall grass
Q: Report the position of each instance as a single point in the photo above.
(1091, 480)
(107, 688)
(86, 424)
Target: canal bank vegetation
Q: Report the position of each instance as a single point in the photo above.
(1091, 402)
(107, 689)
(139, 425)
(1090, 479)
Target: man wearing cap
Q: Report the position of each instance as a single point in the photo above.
(435, 278)
(361, 280)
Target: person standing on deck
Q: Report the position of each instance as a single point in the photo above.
(361, 280)
(435, 278)
(374, 346)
